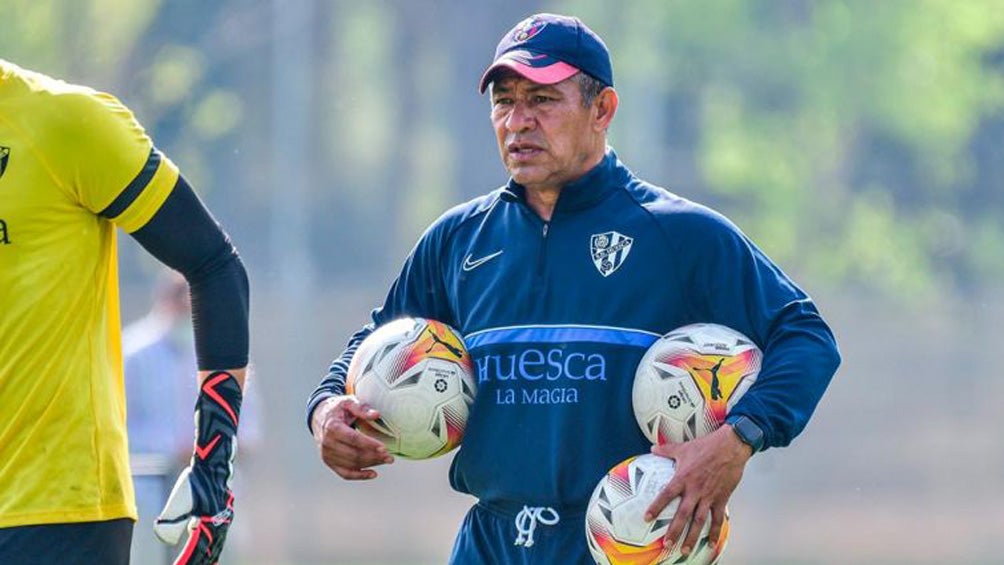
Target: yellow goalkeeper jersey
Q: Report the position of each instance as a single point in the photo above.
(74, 163)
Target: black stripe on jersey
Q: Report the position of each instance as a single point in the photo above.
(133, 190)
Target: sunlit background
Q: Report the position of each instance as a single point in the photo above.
(859, 142)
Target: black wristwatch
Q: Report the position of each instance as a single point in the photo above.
(747, 430)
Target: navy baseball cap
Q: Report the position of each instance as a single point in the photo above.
(548, 48)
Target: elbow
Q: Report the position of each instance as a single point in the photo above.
(831, 356)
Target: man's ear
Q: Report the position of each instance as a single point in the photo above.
(606, 106)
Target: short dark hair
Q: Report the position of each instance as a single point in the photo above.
(589, 88)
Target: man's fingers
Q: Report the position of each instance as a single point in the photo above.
(360, 440)
(361, 411)
(684, 513)
(355, 474)
(346, 455)
(667, 450)
(717, 522)
(346, 450)
(700, 517)
(338, 411)
(665, 496)
(339, 433)
(349, 453)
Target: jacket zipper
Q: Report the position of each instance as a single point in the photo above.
(543, 249)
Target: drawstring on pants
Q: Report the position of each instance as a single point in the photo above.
(526, 522)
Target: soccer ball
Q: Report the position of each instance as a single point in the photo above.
(418, 375)
(616, 530)
(690, 378)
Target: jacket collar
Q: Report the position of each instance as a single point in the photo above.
(584, 192)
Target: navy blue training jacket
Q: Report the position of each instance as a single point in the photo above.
(558, 314)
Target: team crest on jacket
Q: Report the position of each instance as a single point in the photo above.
(609, 250)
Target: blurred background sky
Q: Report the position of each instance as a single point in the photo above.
(860, 143)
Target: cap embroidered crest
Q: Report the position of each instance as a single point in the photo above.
(549, 48)
(527, 29)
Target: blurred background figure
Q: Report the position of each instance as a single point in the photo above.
(159, 352)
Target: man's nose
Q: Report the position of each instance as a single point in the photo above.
(521, 118)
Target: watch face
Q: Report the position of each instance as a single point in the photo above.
(750, 433)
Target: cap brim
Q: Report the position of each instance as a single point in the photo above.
(548, 74)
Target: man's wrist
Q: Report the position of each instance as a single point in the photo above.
(315, 412)
(747, 431)
(324, 406)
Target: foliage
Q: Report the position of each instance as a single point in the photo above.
(857, 142)
(840, 134)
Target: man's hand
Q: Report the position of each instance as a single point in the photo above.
(347, 451)
(708, 470)
(201, 503)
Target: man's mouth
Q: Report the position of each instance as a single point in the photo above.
(519, 150)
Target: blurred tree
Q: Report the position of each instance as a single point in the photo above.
(858, 142)
(840, 133)
(170, 62)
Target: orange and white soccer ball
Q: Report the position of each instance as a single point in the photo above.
(616, 530)
(690, 378)
(418, 375)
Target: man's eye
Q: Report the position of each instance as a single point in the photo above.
(503, 101)
(540, 99)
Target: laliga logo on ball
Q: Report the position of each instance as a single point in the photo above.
(689, 379)
(417, 374)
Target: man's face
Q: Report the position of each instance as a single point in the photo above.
(546, 137)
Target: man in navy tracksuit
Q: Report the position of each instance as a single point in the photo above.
(559, 281)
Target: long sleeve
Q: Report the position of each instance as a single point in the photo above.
(738, 286)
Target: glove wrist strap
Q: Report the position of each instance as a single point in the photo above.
(217, 411)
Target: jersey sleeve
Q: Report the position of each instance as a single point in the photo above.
(106, 161)
(419, 289)
(184, 236)
(737, 285)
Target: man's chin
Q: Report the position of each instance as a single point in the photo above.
(525, 175)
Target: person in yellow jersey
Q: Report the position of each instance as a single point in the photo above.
(74, 165)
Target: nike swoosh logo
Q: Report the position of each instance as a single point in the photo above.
(471, 265)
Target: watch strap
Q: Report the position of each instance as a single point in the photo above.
(748, 431)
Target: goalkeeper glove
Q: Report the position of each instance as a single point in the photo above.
(201, 502)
